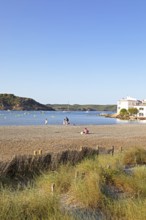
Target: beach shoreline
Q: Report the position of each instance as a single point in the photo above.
(24, 140)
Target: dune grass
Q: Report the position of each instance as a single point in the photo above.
(101, 183)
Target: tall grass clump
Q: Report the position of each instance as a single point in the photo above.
(139, 178)
(85, 189)
(61, 178)
(29, 204)
(125, 183)
(101, 184)
(107, 160)
(129, 209)
(135, 157)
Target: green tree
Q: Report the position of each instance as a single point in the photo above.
(124, 112)
(133, 111)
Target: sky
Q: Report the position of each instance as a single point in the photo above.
(73, 51)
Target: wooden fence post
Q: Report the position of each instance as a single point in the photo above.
(97, 148)
(40, 152)
(52, 187)
(113, 149)
(76, 174)
(34, 152)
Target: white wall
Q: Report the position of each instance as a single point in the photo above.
(141, 111)
(126, 103)
(131, 103)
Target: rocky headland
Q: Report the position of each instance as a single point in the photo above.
(12, 102)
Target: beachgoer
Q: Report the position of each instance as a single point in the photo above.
(46, 121)
(67, 120)
(85, 131)
(64, 122)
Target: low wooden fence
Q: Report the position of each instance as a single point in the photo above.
(29, 165)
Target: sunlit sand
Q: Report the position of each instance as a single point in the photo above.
(19, 140)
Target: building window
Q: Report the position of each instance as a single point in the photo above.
(141, 114)
(141, 108)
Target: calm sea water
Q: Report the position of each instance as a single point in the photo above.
(56, 118)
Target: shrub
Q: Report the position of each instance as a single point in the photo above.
(134, 157)
(124, 112)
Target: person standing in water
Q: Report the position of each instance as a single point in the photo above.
(66, 121)
(46, 121)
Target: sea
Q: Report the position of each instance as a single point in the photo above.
(24, 118)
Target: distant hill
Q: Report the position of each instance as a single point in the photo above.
(76, 107)
(12, 102)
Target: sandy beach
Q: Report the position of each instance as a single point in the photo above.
(22, 140)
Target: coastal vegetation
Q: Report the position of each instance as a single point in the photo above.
(100, 186)
(131, 113)
(77, 107)
(124, 114)
(12, 102)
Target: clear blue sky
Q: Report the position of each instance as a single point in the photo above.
(73, 51)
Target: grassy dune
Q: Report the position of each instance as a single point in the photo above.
(99, 186)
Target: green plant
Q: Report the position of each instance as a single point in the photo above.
(124, 112)
(133, 111)
(85, 185)
(136, 156)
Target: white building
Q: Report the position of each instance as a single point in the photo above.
(130, 102)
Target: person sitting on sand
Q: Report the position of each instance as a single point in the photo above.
(85, 131)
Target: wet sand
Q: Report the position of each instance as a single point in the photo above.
(23, 140)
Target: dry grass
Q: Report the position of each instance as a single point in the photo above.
(89, 185)
(24, 168)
